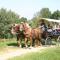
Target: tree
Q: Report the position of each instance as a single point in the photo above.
(56, 15)
(6, 19)
(23, 19)
(44, 13)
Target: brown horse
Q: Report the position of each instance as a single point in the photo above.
(34, 35)
(25, 31)
(17, 30)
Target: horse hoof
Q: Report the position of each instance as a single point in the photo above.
(30, 47)
(19, 46)
(26, 47)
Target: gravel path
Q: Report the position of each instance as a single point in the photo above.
(19, 52)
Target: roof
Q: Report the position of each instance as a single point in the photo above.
(52, 20)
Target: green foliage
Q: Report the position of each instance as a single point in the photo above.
(23, 19)
(34, 22)
(56, 15)
(7, 18)
(44, 13)
(7, 42)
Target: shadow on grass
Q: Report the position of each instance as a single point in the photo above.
(15, 44)
(12, 44)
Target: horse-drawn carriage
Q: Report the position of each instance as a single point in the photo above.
(53, 34)
(37, 34)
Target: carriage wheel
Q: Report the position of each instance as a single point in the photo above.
(48, 41)
(58, 41)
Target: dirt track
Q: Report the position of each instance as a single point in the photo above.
(18, 52)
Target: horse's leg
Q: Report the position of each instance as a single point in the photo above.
(39, 42)
(18, 41)
(39, 39)
(26, 42)
(31, 41)
(36, 42)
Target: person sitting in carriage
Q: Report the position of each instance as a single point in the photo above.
(43, 25)
(50, 30)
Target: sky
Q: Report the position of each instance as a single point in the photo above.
(27, 8)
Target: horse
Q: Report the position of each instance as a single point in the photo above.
(25, 31)
(44, 32)
(17, 30)
(34, 35)
(37, 36)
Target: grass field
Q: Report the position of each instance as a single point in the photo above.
(47, 54)
(10, 42)
(4, 43)
(7, 42)
(13, 42)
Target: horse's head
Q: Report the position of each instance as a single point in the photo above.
(26, 26)
(15, 28)
(21, 27)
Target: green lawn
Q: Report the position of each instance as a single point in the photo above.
(7, 42)
(47, 54)
(10, 42)
(13, 42)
